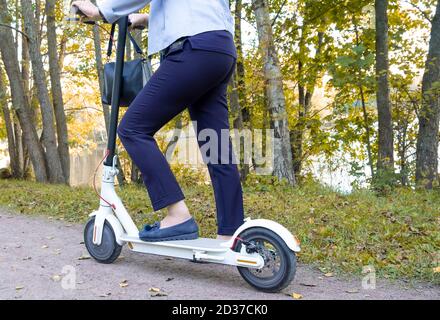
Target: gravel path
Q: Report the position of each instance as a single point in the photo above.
(45, 259)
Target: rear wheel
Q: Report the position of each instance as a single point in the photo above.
(279, 261)
(109, 250)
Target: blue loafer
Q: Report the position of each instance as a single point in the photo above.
(187, 230)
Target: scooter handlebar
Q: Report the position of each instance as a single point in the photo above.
(78, 14)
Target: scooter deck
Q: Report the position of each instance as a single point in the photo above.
(200, 244)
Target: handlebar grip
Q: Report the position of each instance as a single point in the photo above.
(78, 14)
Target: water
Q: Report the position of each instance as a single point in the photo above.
(84, 163)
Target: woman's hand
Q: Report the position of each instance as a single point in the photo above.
(138, 20)
(88, 8)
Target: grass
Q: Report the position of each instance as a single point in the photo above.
(398, 234)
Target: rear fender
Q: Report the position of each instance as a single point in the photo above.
(291, 241)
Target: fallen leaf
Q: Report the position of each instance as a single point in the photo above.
(158, 294)
(84, 257)
(308, 284)
(56, 278)
(44, 247)
(436, 270)
(328, 274)
(169, 279)
(105, 295)
(296, 296)
(352, 291)
(50, 238)
(123, 284)
(19, 287)
(27, 258)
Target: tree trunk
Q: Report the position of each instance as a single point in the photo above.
(237, 95)
(241, 84)
(429, 113)
(385, 160)
(367, 130)
(237, 123)
(54, 166)
(297, 134)
(57, 93)
(100, 70)
(283, 168)
(12, 146)
(22, 154)
(19, 101)
(306, 90)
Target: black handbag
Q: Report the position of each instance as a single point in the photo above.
(135, 75)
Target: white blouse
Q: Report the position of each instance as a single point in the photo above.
(172, 19)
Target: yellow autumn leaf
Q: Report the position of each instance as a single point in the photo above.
(297, 296)
(436, 269)
(56, 278)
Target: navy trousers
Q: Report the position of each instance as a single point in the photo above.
(197, 80)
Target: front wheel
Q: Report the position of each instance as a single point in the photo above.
(109, 250)
(279, 261)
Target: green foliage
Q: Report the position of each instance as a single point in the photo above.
(384, 181)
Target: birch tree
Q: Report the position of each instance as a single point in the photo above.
(276, 103)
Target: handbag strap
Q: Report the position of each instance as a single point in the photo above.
(136, 47)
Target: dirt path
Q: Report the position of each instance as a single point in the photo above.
(39, 256)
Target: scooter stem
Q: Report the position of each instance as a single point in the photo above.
(116, 93)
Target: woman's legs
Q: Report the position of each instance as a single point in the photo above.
(182, 79)
(177, 213)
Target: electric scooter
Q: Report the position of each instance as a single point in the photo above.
(263, 250)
